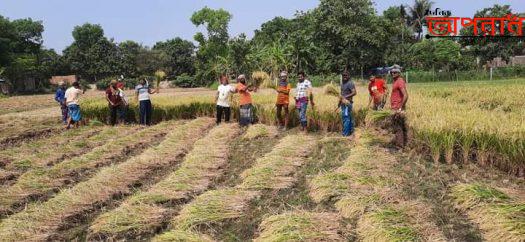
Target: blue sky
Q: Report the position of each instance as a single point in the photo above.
(155, 20)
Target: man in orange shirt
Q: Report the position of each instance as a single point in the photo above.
(283, 100)
(245, 101)
(378, 90)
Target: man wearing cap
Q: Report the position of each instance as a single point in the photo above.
(114, 101)
(60, 97)
(348, 92)
(303, 94)
(245, 102)
(283, 99)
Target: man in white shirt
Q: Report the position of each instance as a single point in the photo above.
(72, 96)
(303, 95)
(222, 98)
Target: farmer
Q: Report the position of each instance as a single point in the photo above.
(303, 94)
(399, 97)
(398, 101)
(142, 95)
(115, 102)
(60, 97)
(72, 96)
(348, 91)
(283, 100)
(378, 90)
(223, 99)
(245, 102)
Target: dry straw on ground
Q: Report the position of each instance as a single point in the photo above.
(145, 211)
(44, 180)
(500, 217)
(300, 226)
(43, 221)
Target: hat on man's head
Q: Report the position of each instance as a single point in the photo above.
(283, 73)
(113, 82)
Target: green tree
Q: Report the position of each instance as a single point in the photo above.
(487, 48)
(352, 35)
(417, 13)
(91, 54)
(442, 54)
(179, 55)
(214, 45)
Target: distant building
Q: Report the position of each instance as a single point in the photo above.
(513, 61)
(67, 79)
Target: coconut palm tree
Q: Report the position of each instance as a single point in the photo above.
(417, 14)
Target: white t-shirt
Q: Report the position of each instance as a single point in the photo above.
(302, 89)
(224, 94)
(72, 95)
(143, 92)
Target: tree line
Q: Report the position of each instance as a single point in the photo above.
(336, 35)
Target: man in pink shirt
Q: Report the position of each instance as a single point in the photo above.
(399, 97)
(398, 102)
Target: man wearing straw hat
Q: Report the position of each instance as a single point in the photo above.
(283, 100)
(60, 97)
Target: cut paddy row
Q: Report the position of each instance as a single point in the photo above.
(364, 192)
(499, 215)
(44, 221)
(272, 172)
(146, 211)
(52, 150)
(41, 181)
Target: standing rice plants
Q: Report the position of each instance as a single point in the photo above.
(500, 217)
(44, 221)
(145, 211)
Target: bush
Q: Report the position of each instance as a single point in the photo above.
(184, 80)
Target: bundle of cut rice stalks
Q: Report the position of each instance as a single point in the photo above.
(159, 76)
(262, 79)
(331, 90)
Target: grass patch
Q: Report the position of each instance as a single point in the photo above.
(43, 221)
(300, 226)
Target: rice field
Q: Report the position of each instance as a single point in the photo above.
(187, 179)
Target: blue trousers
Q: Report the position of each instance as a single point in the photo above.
(302, 114)
(346, 117)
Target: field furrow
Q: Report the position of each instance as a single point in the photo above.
(40, 183)
(45, 221)
(301, 226)
(500, 216)
(14, 132)
(146, 211)
(53, 150)
(272, 172)
(365, 192)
